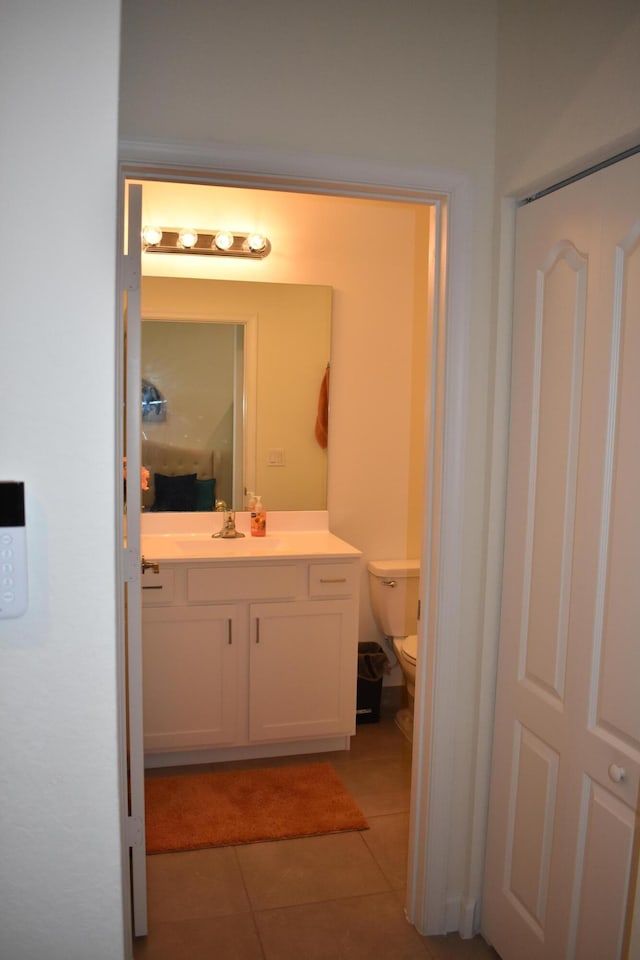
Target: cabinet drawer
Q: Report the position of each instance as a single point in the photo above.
(260, 582)
(158, 587)
(333, 579)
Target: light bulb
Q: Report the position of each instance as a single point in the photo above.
(151, 236)
(256, 242)
(187, 238)
(223, 240)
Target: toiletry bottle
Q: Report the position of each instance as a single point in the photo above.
(258, 519)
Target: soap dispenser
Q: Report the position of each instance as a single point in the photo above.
(258, 519)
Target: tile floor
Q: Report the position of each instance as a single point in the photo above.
(337, 897)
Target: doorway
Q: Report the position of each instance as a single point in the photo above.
(436, 597)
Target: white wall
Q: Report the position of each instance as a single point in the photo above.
(60, 871)
(568, 87)
(401, 83)
(405, 82)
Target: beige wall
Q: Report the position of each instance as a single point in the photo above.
(60, 871)
(373, 255)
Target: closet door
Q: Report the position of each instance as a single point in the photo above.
(567, 729)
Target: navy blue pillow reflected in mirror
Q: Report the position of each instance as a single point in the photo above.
(205, 494)
(175, 494)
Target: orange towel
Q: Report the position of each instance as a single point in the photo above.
(322, 419)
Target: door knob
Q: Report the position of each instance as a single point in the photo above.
(149, 565)
(616, 773)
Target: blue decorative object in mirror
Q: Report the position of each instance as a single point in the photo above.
(154, 406)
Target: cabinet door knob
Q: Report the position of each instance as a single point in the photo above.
(616, 773)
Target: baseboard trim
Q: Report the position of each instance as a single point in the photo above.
(470, 918)
(181, 758)
(462, 917)
(392, 698)
(452, 915)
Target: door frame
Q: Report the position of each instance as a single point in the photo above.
(433, 831)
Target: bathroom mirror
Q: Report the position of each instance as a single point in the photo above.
(240, 367)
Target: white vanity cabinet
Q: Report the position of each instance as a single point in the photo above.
(251, 658)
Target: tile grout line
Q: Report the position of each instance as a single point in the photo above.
(252, 911)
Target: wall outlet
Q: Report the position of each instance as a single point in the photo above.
(275, 458)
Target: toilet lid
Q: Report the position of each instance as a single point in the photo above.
(410, 647)
(394, 568)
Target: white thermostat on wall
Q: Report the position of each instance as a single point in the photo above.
(13, 550)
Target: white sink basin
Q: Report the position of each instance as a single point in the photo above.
(208, 546)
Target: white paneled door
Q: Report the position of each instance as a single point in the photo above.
(131, 272)
(566, 762)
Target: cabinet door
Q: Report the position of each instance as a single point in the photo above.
(302, 669)
(190, 683)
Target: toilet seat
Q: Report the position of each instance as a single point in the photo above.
(409, 647)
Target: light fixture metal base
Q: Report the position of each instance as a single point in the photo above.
(205, 245)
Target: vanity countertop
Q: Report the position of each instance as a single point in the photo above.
(277, 546)
(280, 543)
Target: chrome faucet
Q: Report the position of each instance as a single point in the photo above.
(228, 531)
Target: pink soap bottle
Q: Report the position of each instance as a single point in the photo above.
(258, 519)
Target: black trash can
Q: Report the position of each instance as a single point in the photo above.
(372, 665)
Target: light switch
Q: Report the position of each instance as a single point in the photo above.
(275, 458)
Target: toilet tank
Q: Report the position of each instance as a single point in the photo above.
(393, 586)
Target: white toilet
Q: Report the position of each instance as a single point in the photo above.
(394, 599)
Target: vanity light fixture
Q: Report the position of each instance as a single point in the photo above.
(217, 243)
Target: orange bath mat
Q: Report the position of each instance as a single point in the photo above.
(192, 811)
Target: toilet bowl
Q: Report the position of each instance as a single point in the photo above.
(394, 600)
(406, 649)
